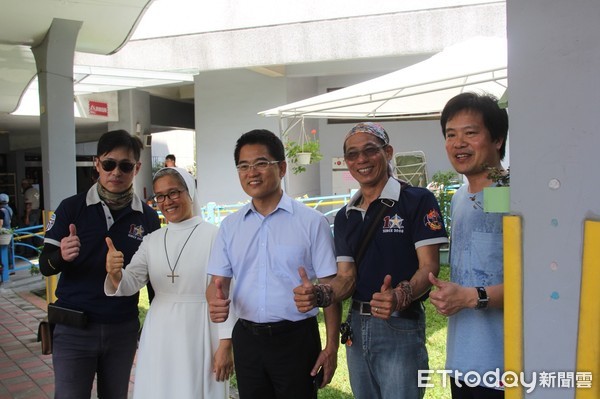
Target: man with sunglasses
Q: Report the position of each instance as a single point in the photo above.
(385, 271)
(277, 349)
(100, 337)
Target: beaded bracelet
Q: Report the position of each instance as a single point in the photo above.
(403, 292)
(324, 295)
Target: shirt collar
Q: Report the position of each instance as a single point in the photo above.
(285, 203)
(391, 191)
(92, 198)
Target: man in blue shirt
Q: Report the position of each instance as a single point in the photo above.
(266, 247)
(6, 212)
(388, 277)
(103, 339)
(475, 129)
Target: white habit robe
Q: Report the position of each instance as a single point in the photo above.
(178, 339)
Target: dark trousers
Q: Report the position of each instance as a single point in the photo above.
(273, 364)
(478, 392)
(81, 353)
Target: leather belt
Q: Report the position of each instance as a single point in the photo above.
(275, 328)
(364, 309)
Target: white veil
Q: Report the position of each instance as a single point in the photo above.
(190, 182)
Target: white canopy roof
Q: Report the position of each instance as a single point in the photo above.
(420, 90)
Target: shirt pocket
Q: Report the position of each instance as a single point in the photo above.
(286, 259)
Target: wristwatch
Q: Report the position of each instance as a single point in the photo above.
(482, 301)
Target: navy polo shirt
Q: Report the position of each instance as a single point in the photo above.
(408, 223)
(81, 283)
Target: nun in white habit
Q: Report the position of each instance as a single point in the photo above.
(182, 354)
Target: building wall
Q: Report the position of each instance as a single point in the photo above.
(553, 59)
(226, 104)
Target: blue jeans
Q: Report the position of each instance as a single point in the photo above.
(105, 349)
(385, 356)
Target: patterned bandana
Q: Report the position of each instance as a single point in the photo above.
(372, 128)
(115, 201)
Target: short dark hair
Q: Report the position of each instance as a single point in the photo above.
(495, 118)
(171, 157)
(264, 137)
(119, 139)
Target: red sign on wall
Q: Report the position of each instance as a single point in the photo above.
(98, 108)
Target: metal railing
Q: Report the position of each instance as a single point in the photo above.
(10, 255)
(213, 213)
(327, 205)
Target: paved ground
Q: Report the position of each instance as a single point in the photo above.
(24, 372)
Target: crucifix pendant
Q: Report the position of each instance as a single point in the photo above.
(173, 275)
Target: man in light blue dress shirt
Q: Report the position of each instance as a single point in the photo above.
(269, 247)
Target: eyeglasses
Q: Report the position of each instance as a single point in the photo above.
(172, 195)
(369, 152)
(124, 166)
(259, 166)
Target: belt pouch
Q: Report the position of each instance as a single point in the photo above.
(67, 317)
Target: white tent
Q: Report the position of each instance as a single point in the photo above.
(420, 90)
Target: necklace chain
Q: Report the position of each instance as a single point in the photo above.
(172, 269)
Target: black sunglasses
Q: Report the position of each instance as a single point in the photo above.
(109, 165)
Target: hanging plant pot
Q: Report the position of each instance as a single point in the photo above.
(496, 199)
(5, 239)
(304, 158)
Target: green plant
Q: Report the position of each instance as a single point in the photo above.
(4, 230)
(305, 144)
(500, 176)
(293, 148)
(157, 166)
(443, 185)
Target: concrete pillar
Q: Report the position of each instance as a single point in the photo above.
(54, 60)
(134, 109)
(553, 58)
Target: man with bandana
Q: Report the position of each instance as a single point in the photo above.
(100, 338)
(388, 279)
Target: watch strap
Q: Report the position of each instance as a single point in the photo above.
(482, 301)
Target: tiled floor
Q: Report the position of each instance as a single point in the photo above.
(24, 372)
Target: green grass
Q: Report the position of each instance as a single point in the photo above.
(339, 388)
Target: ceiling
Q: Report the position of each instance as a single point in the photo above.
(106, 27)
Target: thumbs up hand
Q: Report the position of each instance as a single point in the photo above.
(449, 298)
(216, 295)
(383, 303)
(115, 260)
(219, 290)
(304, 294)
(70, 245)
